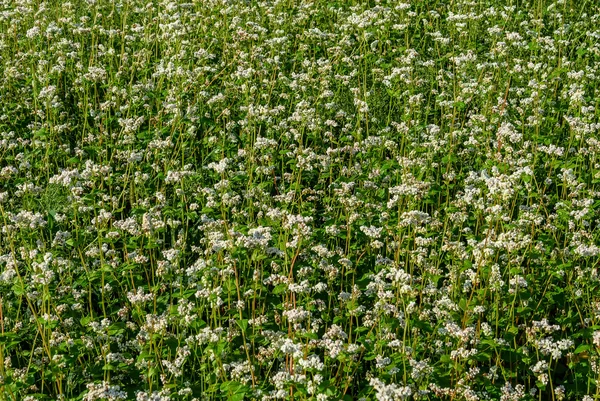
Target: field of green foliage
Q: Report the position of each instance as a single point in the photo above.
(323, 200)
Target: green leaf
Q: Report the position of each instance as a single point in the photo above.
(279, 288)
(581, 348)
(243, 323)
(18, 288)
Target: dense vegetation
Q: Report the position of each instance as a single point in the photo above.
(299, 200)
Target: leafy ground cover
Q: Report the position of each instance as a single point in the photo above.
(299, 200)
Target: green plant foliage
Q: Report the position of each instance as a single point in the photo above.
(299, 200)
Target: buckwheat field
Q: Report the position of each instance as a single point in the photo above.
(299, 200)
